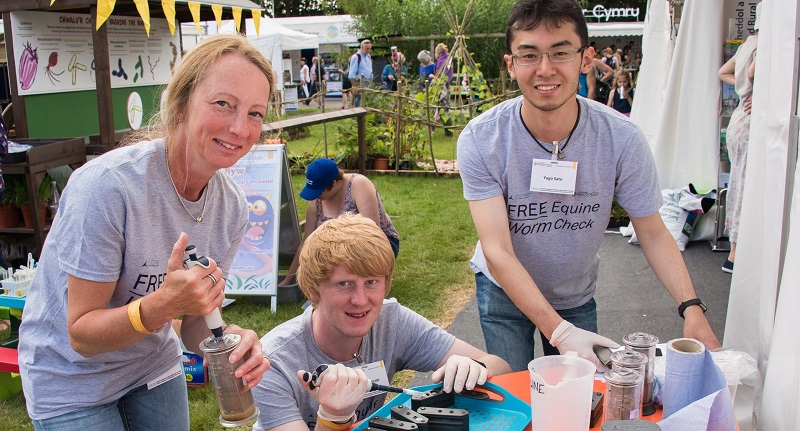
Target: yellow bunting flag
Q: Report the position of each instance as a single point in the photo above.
(217, 8)
(169, 13)
(52, 1)
(194, 8)
(104, 9)
(256, 20)
(144, 12)
(237, 17)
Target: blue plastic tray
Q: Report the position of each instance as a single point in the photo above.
(508, 414)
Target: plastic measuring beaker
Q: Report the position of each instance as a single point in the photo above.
(561, 393)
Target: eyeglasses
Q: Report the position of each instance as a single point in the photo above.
(528, 58)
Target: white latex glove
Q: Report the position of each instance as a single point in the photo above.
(338, 390)
(567, 338)
(459, 373)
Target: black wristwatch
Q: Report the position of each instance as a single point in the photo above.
(689, 303)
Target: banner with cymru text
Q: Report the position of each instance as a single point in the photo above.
(53, 52)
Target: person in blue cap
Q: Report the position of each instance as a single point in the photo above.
(332, 193)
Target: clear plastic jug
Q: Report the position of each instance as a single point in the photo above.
(561, 393)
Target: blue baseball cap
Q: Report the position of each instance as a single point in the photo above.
(319, 175)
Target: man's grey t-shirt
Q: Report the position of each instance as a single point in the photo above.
(401, 338)
(118, 220)
(556, 237)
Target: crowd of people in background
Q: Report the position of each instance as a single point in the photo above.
(613, 82)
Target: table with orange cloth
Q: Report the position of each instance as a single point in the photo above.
(519, 384)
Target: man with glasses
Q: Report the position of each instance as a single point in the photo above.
(360, 69)
(540, 172)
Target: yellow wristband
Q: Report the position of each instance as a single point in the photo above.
(135, 316)
(334, 426)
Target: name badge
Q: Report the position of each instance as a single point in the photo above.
(552, 176)
(376, 372)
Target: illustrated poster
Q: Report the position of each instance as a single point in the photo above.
(53, 52)
(255, 268)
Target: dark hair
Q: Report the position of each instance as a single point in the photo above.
(529, 14)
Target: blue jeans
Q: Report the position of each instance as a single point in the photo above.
(508, 331)
(165, 407)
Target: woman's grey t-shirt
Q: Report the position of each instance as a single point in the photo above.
(118, 220)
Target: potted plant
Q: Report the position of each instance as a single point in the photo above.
(619, 217)
(17, 195)
(9, 209)
(382, 152)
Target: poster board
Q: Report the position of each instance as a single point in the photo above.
(255, 268)
(54, 52)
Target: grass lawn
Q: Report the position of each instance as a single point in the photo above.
(432, 275)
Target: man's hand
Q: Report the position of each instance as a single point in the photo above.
(253, 369)
(337, 389)
(459, 373)
(567, 337)
(696, 326)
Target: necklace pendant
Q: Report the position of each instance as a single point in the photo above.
(560, 155)
(199, 219)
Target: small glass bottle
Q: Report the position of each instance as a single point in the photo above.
(645, 344)
(54, 199)
(623, 399)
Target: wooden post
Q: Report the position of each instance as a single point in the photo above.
(398, 128)
(362, 147)
(323, 85)
(428, 115)
(18, 102)
(105, 111)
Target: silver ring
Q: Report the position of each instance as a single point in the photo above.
(213, 278)
(265, 357)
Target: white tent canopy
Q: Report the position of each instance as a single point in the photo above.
(615, 29)
(329, 28)
(765, 289)
(289, 39)
(684, 141)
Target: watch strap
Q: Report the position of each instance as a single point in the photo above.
(686, 304)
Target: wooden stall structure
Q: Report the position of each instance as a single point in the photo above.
(110, 102)
(68, 97)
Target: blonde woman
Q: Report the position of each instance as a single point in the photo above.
(97, 350)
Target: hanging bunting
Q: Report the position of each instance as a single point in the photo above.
(256, 20)
(144, 12)
(217, 8)
(104, 8)
(194, 8)
(52, 1)
(237, 17)
(169, 14)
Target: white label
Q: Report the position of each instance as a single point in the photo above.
(552, 176)
(175, 371)
(376, 372)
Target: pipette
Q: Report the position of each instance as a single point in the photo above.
(214, 319)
